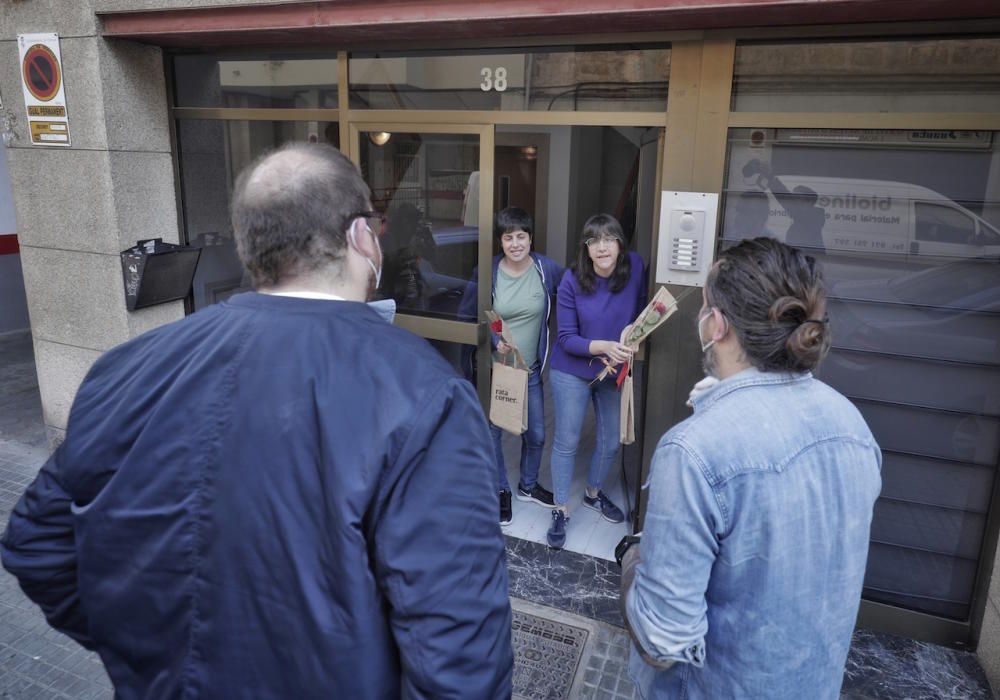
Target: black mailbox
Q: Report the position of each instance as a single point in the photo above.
(155, 272)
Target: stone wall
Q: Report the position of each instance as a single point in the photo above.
(78, 207)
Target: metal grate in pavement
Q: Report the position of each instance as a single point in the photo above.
(561, 656)
(547, 656)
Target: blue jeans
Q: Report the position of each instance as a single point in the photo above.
(570, 395)
(532, 441)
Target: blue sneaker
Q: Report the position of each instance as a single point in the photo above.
(556, 535)
(603, 505)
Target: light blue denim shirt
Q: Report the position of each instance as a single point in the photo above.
(755, 542)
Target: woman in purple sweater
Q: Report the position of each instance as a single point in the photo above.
(599, 295)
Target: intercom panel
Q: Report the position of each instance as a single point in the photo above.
(686, 246)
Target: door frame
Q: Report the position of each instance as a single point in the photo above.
(469, 333)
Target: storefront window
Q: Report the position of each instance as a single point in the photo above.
(905, 225)
(210, 155)
(619, 78)
(915, 75)
(258, 82)
(427, 186)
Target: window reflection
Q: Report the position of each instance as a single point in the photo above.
(458, 355)
(944, 224)
(967, 285)
(269, 82)
(210, 156)
(427, 185)
(838, 191)
(905, 225)
(623, 78)
(916, 75)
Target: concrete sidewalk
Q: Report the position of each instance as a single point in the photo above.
(35, 660)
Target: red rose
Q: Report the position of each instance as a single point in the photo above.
(659, 308)
(497, 326)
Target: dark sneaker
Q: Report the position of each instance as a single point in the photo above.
(506, 514)
(556, 535)
(603, 505)
(536, 494)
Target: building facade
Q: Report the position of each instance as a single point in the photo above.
(866, 132)
(13, 306)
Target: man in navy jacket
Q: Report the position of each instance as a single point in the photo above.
(281, 496)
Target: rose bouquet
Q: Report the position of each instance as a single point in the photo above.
(655, 313)
(652, 317)
(649, 319)
(497, 326)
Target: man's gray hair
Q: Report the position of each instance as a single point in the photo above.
(291, 210)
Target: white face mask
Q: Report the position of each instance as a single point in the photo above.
(376, 270)
(705, 346)
(708, 360)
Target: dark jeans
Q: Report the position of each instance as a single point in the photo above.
(532, 441)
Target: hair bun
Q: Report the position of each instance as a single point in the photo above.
(773, 296)
(808, 343)
(787, 310)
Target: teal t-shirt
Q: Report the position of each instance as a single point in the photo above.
(520, 302)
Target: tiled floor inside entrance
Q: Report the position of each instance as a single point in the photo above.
(586, 532)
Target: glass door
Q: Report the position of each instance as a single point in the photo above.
(434, 184)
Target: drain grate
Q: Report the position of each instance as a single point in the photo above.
(547, 656)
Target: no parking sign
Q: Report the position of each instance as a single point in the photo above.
(44, 93)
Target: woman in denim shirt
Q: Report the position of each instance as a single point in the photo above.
(760, 504)
(603, 292)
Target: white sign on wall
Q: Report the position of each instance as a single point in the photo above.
(44, 89)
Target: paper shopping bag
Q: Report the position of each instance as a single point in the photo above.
(626, 431)
(509, 398)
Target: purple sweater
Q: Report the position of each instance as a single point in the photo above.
(601, 315)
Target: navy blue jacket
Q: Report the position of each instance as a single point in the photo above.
(551, 273)
(275, 498)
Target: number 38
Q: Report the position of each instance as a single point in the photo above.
(493, 79)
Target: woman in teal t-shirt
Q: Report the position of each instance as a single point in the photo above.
(524, 286)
